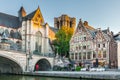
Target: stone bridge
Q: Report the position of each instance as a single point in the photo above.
(19, 62)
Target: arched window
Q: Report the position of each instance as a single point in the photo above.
(17, 35)
(19, 45)
(38, 42)
(7, 33)
(61, 23)
(70, 23)
(1, 31)
(12, 34)
(20, 37)
(58, 24)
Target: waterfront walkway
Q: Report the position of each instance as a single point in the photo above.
(73, 74)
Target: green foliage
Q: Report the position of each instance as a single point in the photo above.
(78, 68)
(63, 37)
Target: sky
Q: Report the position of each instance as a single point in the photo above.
(99, 13)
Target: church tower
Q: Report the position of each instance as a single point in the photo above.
(64, 20)
(21, 13)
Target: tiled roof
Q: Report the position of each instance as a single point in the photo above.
(9, 21)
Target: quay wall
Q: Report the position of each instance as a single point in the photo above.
(112, 75)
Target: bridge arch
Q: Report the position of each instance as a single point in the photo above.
(42, 65)
(9, 65)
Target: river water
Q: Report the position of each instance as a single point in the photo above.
(18, 77)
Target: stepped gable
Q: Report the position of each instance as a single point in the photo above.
(88, 26)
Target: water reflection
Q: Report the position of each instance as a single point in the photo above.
(17, 77)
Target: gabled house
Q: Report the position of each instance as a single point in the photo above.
(94, 47)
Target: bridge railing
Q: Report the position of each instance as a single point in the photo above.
(23, 52)
(11, 50)
(45, 54)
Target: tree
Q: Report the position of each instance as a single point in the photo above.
(63, 37)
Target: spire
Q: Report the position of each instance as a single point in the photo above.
(38, 7)
(80, 23)
(22, 12)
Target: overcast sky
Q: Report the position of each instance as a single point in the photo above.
(99, 13)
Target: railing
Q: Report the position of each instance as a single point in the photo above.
(12, 50)
(23, 52)
(45, 54)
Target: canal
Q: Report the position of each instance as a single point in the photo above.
(18, 77)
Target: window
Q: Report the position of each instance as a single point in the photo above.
(79, 47)
(1, 31)
(76, 48)
(94, 55)
(84, 55)
(79, 55)
(12, 34)
(104, 54)
(76, 54)
(88, 46)
(58, 24)
(61, 23)
(70, 23)
(104, 45)
(38, 42)
(99, 45)
(72, 56)
(19, 45)
(84, 38)
(84, 47)
(89, 55)
(7, 33)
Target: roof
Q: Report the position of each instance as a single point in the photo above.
(31, 15)
(117, 36)
(21, 9)
(92, 32)
(9, 21)
(54, 29)
(89, 27)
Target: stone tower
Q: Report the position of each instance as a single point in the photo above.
(64, 20)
